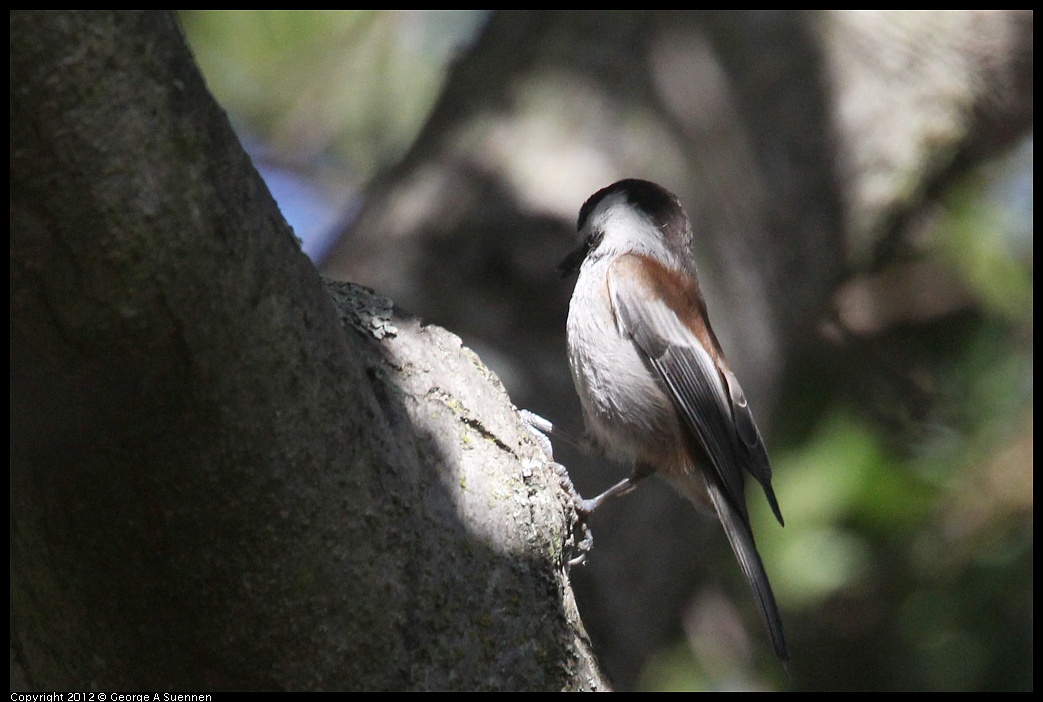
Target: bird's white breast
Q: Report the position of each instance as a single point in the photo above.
(625, 408)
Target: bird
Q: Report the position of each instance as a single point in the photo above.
(655, 388)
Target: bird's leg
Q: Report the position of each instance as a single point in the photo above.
(587, 507)
(540, 429)
(586, 543)
(640, 472)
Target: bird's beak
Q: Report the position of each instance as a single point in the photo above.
(574, 260)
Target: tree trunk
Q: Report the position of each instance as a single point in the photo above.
(220, 479)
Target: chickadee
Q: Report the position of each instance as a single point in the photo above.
(655, 387)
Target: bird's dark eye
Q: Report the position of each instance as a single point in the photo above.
(575, 259)
(593, 240)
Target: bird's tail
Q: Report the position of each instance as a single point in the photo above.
(740, 536)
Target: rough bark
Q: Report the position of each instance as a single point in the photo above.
(225, 474)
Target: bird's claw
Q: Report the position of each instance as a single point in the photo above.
(540, 428)
(583, 509)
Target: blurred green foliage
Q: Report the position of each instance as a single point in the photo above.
(349, 85)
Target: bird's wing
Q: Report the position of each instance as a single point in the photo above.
(750, 446)
(710, 403)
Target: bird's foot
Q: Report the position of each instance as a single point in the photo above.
(540, 429)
